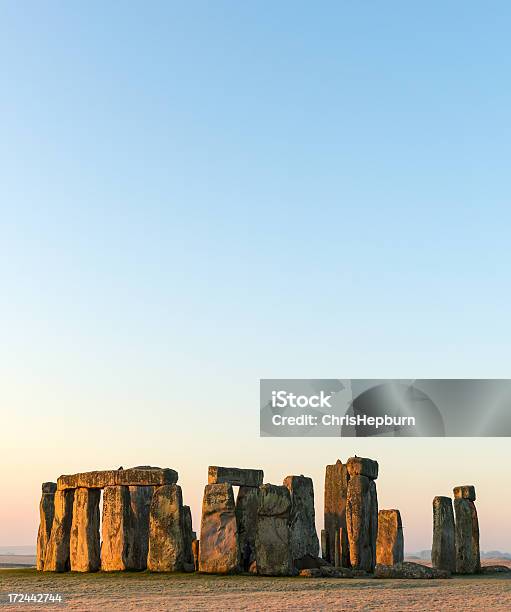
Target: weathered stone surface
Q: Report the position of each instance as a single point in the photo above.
(389, 542)
(327, 571)
(273, 554)
(361, 466)
(118, 530)
(46, 514)
(443, 553)
(409, 570)
(246, 517)
(188, 536)
(56, 558)
(219, 550)
(495, 569)
(336, 493)
(360, 573)
(241, 477)
(137, 476)
(465, 492)
(467, 537)
(302, 521)
(166, 541)
(362, 522)
(310, 562)
(274, 500)
(84, 547)
(324, 544)
(338, 548)
(310, 573)
(140, 499)
(195, 552)
(373, 520)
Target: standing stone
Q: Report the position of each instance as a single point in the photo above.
(195, 551)
(140, 498)
(443, 552)
(166, 542)
(84, 548)
(389, 543)
(56, 558)
(340, 554)
(302, 521)
(188, 535)
(373, 519)
(336, 492)
(219, 550)
(118, 530)
(467, 537)
(273, 554)
(246, 518)
(324, 545)
(46, 514)
(362, 522)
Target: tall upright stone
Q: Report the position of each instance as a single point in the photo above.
(362, 512)
(246, 519)
(219, 549)
(46, 514)
(188, 536)
(273, 552)
(118, 530)
(373, 519)
(443, 552)
(467, 531)
(195, 552)
(336, 493)
(56, 558)
(166, 542)
(390, 542)
(340, 538)
(140, 499)
(84, 546)
(324, 545)
(302, 521)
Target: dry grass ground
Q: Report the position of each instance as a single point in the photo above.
(155, 592)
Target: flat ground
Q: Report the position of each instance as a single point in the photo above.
(132, 591)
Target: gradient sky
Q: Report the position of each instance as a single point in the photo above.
(198, 195)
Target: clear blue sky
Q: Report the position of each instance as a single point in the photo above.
(201, 194)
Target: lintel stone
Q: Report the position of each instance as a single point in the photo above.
(235, 476)
(137, 476)
(465, 492)
(361, 466)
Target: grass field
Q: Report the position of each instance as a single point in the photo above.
(130, 591)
